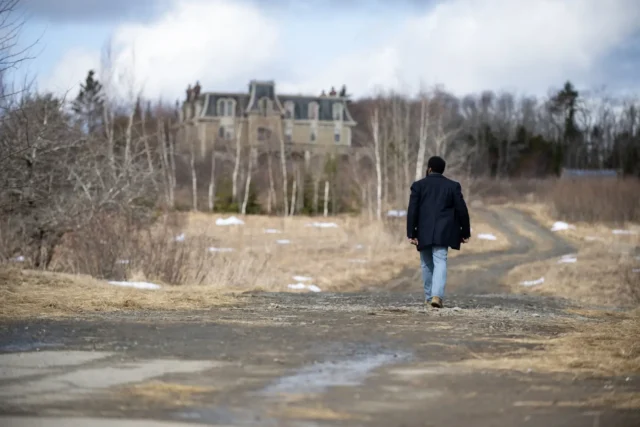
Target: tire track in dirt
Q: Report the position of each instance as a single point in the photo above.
(481, 273)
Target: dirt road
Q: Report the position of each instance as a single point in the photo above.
(372, 358)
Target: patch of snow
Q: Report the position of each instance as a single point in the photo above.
(180, 237)
(592, 238)
(359, 261)
(300, 286)
(624, 232)
(122, 261)
(232, 220)
(323, 225)
(359, 246)
(137, 285)
(397, 213)
(560, 226)
(283, 242)
(302, 278)
(487, 236)
(533, 282)
(272, 231)
(212, 249)
(19, 258)
(568, 259)
(636, 270)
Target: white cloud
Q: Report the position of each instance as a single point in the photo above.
(70, 71)
(467, 45)
(472, 45)
(215, 41)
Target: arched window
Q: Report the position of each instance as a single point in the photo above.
(313, 111)
(313, 135)
(336, 136)
(289, 110)
(221, 132)
(337, 111)
(226, 107)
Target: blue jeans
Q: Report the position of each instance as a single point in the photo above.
(433, 261)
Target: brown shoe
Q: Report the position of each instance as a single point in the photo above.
(436, 302)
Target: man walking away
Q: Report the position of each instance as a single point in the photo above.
(437, 219)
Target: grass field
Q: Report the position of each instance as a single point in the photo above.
(604, 270)
(211, 261)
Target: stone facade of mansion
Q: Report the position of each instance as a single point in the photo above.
(261, 117)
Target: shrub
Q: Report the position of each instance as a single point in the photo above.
(597, 200)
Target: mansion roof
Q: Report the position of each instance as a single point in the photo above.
(258, 90)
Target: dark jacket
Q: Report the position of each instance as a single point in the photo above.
(437, 214)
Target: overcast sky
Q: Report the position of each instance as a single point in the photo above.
(160, 46)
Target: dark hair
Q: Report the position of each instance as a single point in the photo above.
(436, 164)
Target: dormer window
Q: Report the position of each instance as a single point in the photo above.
(265, 106)
(289, 110)
(337, 111)
(313, 111)
(226, 107)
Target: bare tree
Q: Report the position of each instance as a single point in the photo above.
(59, 181)
(247, 186)
(422, 138)
(212, 178)
(326, 199)
(11, 55)
(294, 192)
(375, 134)
(237, 160)
(163, 140)
(272, 196)
(108, 109)
(283, 163)
(192, 167)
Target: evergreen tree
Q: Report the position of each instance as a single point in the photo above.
(89, 103)
(565, 102)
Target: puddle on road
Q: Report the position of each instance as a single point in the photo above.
(320, 376)
(23, 345)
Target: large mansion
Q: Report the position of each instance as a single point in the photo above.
(263, 117)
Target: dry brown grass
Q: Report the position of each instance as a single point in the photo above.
(607, 348)
(616, 400)
(25, 293)
(614, 201)
(605, 272)
(159, 392)
(357, 252)
(317, 412)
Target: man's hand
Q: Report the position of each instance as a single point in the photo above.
(413, 241)
(466, 240)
